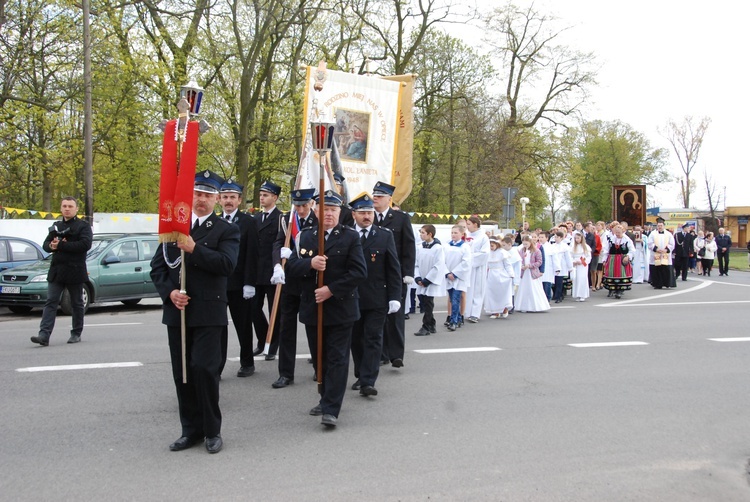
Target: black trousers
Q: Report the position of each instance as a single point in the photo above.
(198, 399)
(723, 262)
(393, 333)
(681, 267)
(367, 344)
(559, 293)
(49, 314)
(288, 310)
(262, 293)
(240, 310)
(428, 305)
(337, 341)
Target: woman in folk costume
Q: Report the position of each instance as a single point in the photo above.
(499, 297)
(458, 263)
(581, 256)
(640, 257)
(530, 296)
(617, 252)
(661, 245)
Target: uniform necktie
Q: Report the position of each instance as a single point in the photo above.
(364, 235)
(263, 218)
(196, 224)
(380, 219)
(228, 217)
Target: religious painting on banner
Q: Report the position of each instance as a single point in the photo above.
(629, 204)
(365, 110)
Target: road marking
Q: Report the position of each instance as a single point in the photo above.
(681, 303)
(115, 324)
(606, 344)
(740, 339)
(35, 369)
(621, 303)
(464, 349)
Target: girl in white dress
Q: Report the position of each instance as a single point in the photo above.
(530, 296)
(499, 297)
(581, 256)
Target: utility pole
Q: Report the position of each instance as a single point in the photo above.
(88, 161)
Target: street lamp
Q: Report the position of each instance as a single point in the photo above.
(524, 201)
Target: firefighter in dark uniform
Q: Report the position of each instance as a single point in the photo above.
(241, 285)
(379, 295)
(400, 224)
(268, 228)
(211, 253)
(344, 267)
(302, 217)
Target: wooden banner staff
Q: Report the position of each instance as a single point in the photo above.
(277, 293)
(182, 123)
(321, 274)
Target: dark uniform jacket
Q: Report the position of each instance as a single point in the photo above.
(267, 232)
(383, 282)
(345, 270)
(217, 245)
(400, 224)
(292, 285)
(683, 244)
(246, 271)
(345, 217)
(69, 260)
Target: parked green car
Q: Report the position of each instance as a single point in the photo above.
(118, 266)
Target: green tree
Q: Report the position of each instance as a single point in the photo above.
(610, 153)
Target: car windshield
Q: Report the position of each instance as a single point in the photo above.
(97, 246)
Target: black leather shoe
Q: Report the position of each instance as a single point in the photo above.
(357, 385)
(214, 445)
(270, 357)
(282, 382)
(398, 363)
(422, 332)
(258, 351)
(317, 411)
(246, 371)
(328, 420)
(40, 340)
(74, 339)
(183, 443)
(558, 301)
(406, 316)
(368, 390)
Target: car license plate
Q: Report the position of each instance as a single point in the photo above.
(11, 290)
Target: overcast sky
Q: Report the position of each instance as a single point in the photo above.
(667, 59)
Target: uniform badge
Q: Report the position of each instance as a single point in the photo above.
(373, 256)
(303, 251)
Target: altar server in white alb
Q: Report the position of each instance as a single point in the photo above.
(458, 264)
(580, 254)
(431, 280)
(640, 256)
(480, 249)
(499, 298)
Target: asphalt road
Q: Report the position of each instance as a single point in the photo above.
(524, 412)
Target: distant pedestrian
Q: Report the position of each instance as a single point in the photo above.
(68, 240)
(723, 244)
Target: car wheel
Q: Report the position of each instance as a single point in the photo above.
(132, 302)
(67, 307)
(20, 309)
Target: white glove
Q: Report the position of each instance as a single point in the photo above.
(285, 253)
(393, 306)
(248, 292)
(408, 280)
(278, 276)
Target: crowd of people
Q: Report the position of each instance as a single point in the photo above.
(525, 272)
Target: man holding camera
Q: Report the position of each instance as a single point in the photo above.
(68, 240)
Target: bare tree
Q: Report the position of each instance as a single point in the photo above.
(713, 195)
(686, 139)
(545, 80)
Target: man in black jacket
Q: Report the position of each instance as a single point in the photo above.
(379, 295)
(241, 284)
(344, 269)
(267, 221)
(723, 245)
(211, 253)
(683, 247)
(68, 240)
(301, 217)
(400, 224)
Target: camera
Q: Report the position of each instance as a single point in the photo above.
(59, 233)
